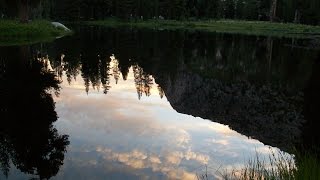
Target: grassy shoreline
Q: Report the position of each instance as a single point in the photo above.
(14, 33)
(221, 26)
(279, 165)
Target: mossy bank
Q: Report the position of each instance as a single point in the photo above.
(289, 30)
(13, 32)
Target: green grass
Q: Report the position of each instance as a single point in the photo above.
(304, 166)
(13, 32)
(308, 166)
(221, 26)
(277, 167)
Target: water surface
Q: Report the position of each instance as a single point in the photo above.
(144, 104)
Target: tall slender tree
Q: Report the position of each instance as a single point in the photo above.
(273, 10)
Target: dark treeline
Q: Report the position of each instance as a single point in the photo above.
(298, 11)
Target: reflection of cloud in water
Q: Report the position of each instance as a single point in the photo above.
(217, 141)
(225, 130)
(143, 138)
(167, 164)
(176, 157)
(128, 164)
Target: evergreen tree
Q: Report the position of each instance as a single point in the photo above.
(275, 10)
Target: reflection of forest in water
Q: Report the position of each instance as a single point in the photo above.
(28, 138)
(253, 84)
(280, 62)
(100, 77)
(261, 87)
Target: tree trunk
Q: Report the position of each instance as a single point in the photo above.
(273, 10)
(23, 11)
(297, 16)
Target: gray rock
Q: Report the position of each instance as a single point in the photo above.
(59, 25)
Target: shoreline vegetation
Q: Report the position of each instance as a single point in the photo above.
(260, 28)
(277, 166)
(12, 32)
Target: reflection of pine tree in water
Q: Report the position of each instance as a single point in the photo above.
(86, 84)
(124, 68)
(96, 70)
(94, 75)
(97, 74)
(115, 69)
(91, 73)
(72, 69)
(28, 138)
(58, 66)
(142, 80)
(105, 75)
(161, 91)
(138, 79)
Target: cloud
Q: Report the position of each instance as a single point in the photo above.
(169, 166)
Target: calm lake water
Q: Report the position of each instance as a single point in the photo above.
(144, 104)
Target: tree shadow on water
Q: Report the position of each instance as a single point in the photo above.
(28, 138)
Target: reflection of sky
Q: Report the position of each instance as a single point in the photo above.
(118, 136)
